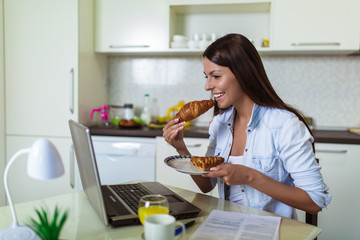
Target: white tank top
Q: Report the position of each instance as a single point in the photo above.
(235, 191)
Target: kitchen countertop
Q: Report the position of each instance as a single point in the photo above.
(336, 136)
(321, 136)
(196, 132)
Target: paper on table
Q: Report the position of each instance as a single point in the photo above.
(233, 225)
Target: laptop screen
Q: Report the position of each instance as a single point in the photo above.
(87, 167)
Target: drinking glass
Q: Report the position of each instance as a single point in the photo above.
(152, 204)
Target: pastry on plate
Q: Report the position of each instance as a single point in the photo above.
(205, 163)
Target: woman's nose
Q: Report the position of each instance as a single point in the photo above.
(208, 85)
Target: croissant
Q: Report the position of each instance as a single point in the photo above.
(128, 123)
(205, 163)
(194, 109)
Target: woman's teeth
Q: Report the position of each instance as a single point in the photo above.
(218, 95)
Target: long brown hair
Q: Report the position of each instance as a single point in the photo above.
(238, 54)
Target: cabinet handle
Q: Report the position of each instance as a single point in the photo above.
(331, 151)
(72, 167)
(296, 44)
(196, 145)
(71, 90)
(129, 46)
(120, 154)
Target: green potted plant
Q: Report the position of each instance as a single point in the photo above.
(48, 227)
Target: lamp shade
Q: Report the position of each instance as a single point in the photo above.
(44, 161)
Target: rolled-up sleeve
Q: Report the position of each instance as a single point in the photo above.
(296, 152)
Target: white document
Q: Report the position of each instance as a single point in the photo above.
(233, 225)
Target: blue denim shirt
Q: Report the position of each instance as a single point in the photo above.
(279, 146)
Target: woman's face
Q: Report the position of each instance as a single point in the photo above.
(222, 83)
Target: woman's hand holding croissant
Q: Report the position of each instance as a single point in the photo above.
(173, 134)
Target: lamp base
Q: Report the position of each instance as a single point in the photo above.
(17, 233)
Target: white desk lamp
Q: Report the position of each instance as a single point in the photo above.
(43, 163)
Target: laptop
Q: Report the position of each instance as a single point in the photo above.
(116, 205)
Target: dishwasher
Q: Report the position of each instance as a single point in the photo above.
(124, 159)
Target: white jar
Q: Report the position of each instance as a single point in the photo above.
(128, 111)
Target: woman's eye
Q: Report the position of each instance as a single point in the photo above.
(212, 76)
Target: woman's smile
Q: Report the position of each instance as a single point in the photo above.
(218, 96)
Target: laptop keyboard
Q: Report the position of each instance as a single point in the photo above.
(131, 194)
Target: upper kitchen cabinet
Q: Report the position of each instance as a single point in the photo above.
(189, 26)
(142, 26)
(40, 66)
(131, 26)
(322, 25)
(50, 67)
(204, 21)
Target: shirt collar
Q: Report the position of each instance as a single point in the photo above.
(256, 116)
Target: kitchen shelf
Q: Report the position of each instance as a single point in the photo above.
(190, 18)
(220, 7)
(187, 51)
(262, 52)
(174, 52)
(214, 2)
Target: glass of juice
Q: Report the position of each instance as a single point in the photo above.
(152, 204)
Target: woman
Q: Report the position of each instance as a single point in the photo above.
(267, 145)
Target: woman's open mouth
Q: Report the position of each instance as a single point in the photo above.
(217, 96)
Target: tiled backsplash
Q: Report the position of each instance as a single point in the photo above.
(326, 88)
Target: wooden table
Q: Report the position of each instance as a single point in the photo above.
(83, 223)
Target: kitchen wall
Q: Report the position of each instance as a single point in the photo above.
(326, 88)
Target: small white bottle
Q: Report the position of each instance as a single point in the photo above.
(146, 114)
(128, 111)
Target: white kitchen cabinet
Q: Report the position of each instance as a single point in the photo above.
(51, 71)
(24, 188)
(340, 168)
(149, 26)
(190, 17)
(303, 25)
(124, 159)
(166, 175)
(45, 66)
(2, 108)
(291, 26)
(41, 66)
(340, 164)
(137, 25)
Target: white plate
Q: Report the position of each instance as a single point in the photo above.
(182, 163)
